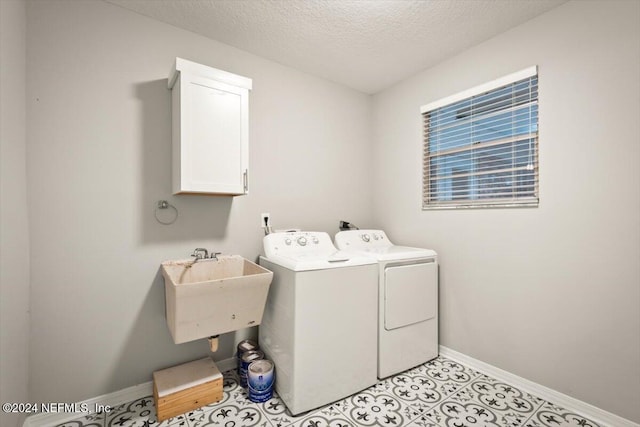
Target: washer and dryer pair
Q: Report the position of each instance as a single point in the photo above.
(337, 319)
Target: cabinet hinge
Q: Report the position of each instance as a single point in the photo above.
(246, 180)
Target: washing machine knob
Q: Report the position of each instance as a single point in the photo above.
(302, 241)
(316, 240)
(287, 241)
(375, 237)
(366, 237)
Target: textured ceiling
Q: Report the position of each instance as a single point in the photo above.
(364, 44)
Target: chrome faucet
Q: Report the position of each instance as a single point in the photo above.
(198, 253)
(202, 253)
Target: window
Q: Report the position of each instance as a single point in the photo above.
(481, 145)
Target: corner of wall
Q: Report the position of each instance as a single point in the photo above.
(14, 245)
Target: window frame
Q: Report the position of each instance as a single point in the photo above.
(492, 201)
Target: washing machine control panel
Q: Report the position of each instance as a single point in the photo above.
(362, 239)
(298, 243)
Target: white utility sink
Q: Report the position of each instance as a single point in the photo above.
(213, 296)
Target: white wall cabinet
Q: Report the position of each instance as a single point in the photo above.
(210, 121)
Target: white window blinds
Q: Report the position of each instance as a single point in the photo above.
(481, 145)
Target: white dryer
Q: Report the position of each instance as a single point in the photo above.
(407, 299)
(319, 323)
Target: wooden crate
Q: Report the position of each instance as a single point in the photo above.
(186, 387)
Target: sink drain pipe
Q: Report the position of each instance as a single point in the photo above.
(213, 343)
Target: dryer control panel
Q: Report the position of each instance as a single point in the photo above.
(362, 239)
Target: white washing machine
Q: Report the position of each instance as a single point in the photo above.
(319, 323)
(407, 299)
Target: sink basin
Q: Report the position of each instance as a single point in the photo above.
(211, 297)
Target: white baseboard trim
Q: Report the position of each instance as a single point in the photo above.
(107, 400)
(111, 400)
(596, 414)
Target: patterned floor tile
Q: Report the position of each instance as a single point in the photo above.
(277, 412)
(92, 420)
(492, 402)
(132, 414)
(140, 413)
(443, 369)
(229, 415)
(550, 415)
(321, 421)
(377, 409)
(451, 413)
(383, 386)
(503, 397)
(449, 375)
(439, 393)
(236, 394)
(415, 389)
(230, 385)
(328, 416)
(422, 421)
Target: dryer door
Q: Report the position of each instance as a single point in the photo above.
(411, 293)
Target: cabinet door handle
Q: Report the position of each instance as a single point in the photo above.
(245, 177)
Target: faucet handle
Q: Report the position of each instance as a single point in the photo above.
(215, 254)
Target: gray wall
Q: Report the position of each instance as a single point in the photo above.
(551, 293)
(14, 233)
(99, 159)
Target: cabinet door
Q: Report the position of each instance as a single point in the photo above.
(214, 137)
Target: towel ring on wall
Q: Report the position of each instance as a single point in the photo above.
(163, 204)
